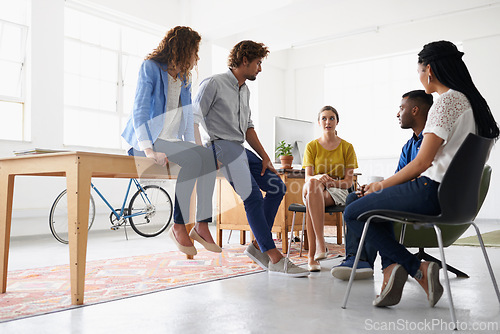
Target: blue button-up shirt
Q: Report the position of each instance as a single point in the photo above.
(148, 116)
(410, 150)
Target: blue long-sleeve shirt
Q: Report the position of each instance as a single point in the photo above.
(148, 116)
(409, 151)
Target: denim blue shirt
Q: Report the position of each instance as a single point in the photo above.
(148, 115)
(410, 150)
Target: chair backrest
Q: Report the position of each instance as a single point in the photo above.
(484, 187)
(459, 190)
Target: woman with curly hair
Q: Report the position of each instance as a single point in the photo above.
(161, 128)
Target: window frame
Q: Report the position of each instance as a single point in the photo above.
(122, 22)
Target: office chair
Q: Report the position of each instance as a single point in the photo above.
(458, 196)
(426, 238)
(295, 207)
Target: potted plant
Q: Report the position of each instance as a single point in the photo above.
(284, 151)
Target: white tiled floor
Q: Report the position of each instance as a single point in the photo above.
(260, 303)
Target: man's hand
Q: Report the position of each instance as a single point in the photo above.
(267, 164)
(160, 158)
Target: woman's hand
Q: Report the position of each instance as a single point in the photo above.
(369, 188)
(160, 158)
(326, 180)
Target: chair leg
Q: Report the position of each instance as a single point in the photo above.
(446, 278)
(344, 228)
(486, 258)
(356, 260)
(338, 225)
(402, 234)
(291, 237)
(302, 236)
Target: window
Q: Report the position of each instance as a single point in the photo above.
(367, 95)
(13, 39)
(101, 61)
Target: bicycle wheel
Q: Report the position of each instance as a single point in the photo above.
(58, 217)
(151, 211)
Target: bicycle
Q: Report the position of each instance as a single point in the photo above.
(149, 212)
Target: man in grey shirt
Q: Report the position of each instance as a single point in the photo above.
(223, 102)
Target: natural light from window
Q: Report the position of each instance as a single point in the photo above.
(13, 43)
(102, 59)
(367, 95)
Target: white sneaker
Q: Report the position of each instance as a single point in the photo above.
(287, 268)
(257, 256)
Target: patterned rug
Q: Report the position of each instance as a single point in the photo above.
(44, 290)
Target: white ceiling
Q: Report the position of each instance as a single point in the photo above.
(282, 24)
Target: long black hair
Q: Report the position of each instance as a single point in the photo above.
(448, 67)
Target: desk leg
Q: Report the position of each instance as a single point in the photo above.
(219, 212)
(6, 194)
(284, 239)
(78, 185)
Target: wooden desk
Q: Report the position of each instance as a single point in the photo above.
(78, 168)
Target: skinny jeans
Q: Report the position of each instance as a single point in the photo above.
(242, 169)
(417, 196)
(197, 166)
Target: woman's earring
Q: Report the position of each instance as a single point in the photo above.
(429, 79)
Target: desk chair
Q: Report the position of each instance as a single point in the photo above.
(295, 207)
(426, 238)
(458, 196)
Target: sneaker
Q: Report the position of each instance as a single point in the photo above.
(343, 270)
(257, 256)
(287, 268)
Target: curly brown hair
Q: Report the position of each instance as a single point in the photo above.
(249, 49)
(177, 48)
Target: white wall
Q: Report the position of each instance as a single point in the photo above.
(479, 31)
(482, 60)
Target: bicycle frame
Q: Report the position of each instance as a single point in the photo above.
(122, 210)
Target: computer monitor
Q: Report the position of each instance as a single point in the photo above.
(295, 132)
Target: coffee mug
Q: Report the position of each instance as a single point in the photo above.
(372, 179)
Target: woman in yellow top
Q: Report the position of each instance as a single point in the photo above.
(329, 164)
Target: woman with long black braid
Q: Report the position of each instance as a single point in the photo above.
(459, 110)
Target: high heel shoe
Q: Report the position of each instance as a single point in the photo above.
(188, 250)
(313, 267)
(208, 246)
(321, 255)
